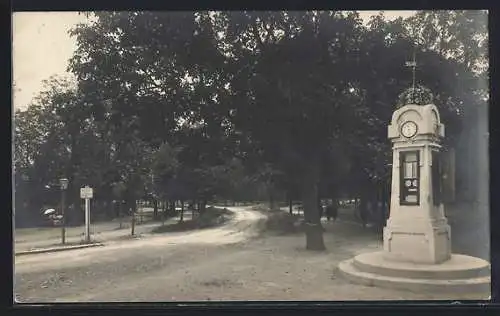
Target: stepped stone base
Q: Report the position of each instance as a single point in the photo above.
(460, 275)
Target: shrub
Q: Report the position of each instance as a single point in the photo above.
(283, 223)
(211, 217)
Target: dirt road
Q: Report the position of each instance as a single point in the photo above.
(223, 263)
(29, 238)
(42, 277)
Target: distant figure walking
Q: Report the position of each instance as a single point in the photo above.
(363, 212)
(320, 210)
(332, 211)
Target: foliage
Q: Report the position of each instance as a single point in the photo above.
(210, 218)
(419, 95)
(461, 35)
(282, 223)
(241, 105)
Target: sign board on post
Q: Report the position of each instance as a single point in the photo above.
(86, 193)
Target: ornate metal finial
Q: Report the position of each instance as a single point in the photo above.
(417, 93)
(413, 65)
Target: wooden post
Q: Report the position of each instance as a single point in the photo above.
(63, 219)
(133, 223)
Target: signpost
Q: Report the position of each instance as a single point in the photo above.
(87, 193)
(64, 186)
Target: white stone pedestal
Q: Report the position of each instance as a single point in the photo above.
(426, 245)
(462, 277)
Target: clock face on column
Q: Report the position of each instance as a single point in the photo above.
(409, 129)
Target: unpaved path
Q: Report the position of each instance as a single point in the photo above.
(223, 263)
(27, 239)
(41, 277)
(239, 228)
(29, 235)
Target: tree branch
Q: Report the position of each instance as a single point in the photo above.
(256, 34)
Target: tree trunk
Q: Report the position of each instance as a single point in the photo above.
(271, 199)
(163, 214)
(172, 207)
(363, 209)
(182, 211)
(313, 228)
(192, 211)
(132, 225)
(332, 210)
(72, 200)
(290, 206)
(194, 206)
(155, 208)
(120, 213)
(320, 207)
(381, 205)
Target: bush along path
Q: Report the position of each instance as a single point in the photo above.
(211, 217)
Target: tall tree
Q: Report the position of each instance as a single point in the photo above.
(49, 139)
(294, 108)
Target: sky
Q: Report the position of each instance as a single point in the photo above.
(42, 48)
